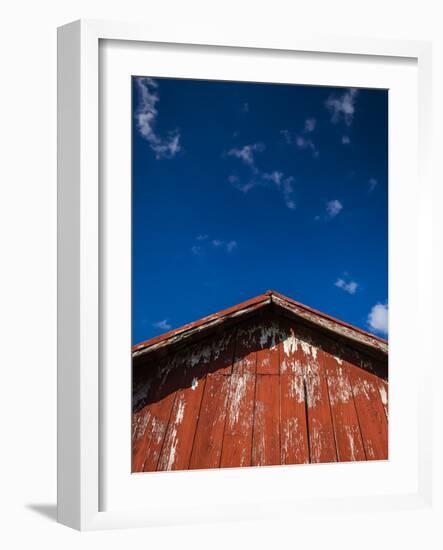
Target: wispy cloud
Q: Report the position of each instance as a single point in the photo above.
(247, 154)
(306, 143)
(285, 185)
(333, 208)
(146, 119)
(245, 187)
(287, 135)
(350, 287)
(257, 178)
(245, 107)
(378, 318)
(303, 140)
(231, 245)
(346, 140)
(310, 124)
(342, 107)
(205, 243)
(163, 325)
(372, 184)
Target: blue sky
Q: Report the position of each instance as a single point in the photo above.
(241, 187)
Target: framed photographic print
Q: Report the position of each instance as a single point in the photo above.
(236, 219)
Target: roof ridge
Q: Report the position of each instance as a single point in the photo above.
(311, 315)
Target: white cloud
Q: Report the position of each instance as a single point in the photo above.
(288, 191)
(276, 177)
(350, 287)
(164, 325)
(205, 243)
(342, 107)
(310, 124)
(146, 118)
(287, 135)
(258, 178)
(301, 140)
(333, 208)
(372, 184)
(346, 140)
(245, 107)
(246, 154)
(378, 318)
(231, 245)
(305, 143)
(245, 187)
(285, 185)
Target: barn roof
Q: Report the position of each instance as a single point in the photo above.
(270, 299)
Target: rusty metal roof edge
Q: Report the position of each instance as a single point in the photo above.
(317, 317)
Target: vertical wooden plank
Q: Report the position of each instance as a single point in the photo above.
(159, 415)
(206, 451)
(371, 414)
(141, 395)
(190, 380)
(266, 431)
(223, 349)
(177, 448)
(246, 350)
(383, 390)
(237, 439)
(268, 349)
(152, 421)
(289, 350)
(348, 438)
(321, 432)
(293, 421)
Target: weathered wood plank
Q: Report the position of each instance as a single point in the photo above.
(156, 417)
(266, 431)
(320, 428)
(348, 437)
(190, 377)
(237, 439)
(206, 452)
(177, 448)
(160, 413)
(293, 422)
(268, 349)
(371, 414)
(223, 349)
(383, 389)
(246, 350)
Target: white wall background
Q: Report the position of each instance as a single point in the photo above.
(28, 267)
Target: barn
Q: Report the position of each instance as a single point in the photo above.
(267, 382)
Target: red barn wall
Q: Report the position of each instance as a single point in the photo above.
(267, 391)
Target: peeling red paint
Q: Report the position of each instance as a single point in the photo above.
(267, 389)
(243, 309)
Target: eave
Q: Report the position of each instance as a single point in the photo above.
(289, 307)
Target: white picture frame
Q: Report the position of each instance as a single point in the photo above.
(80, 264)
